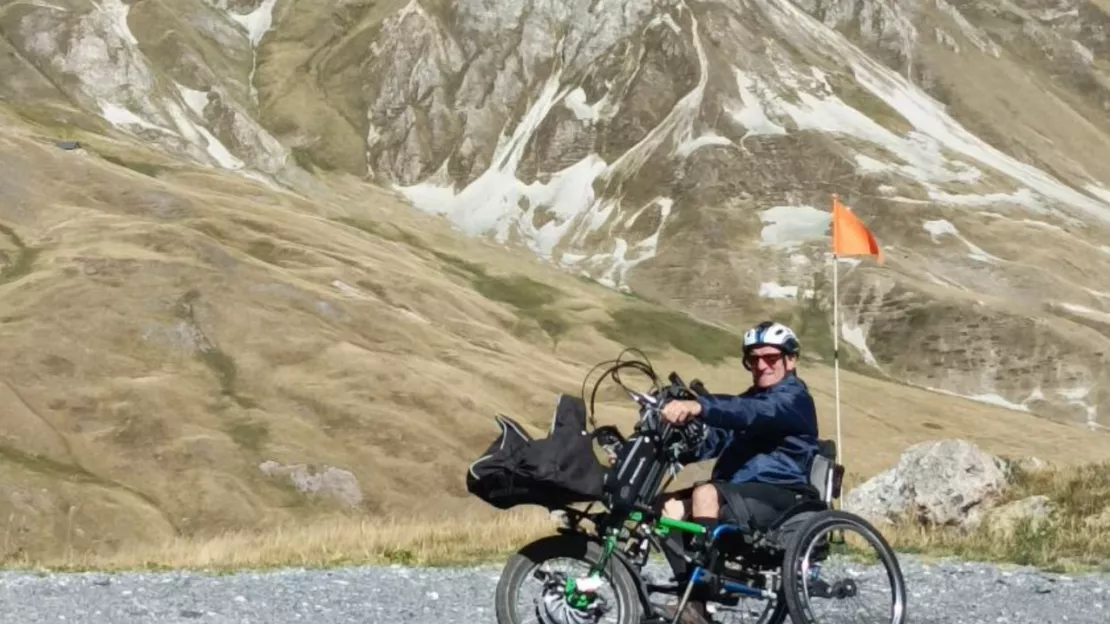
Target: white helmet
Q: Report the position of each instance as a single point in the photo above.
(770, 333)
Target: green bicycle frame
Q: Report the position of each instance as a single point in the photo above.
(661, 527)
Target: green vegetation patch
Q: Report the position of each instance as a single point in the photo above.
(145, 168)
(653, 329)
(249, 434)
(859, 98)
(535, 303)
(220, 363)
(20, 262)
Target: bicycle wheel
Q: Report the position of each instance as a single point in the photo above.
(837, 540)
(616, 602)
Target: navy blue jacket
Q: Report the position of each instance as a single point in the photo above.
(766, 436)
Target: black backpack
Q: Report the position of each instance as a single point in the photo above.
(552, 472)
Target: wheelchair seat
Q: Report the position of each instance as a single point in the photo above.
(825, 476)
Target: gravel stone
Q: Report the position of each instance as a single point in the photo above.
(948, 591)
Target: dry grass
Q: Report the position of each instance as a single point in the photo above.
(1072, 542)
(1076, 538)
(334, 541)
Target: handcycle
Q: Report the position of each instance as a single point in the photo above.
(781, 567)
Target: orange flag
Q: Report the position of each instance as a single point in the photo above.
(850, 236)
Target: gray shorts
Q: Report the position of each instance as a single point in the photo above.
(756, 506)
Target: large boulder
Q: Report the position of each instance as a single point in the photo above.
(947, 482)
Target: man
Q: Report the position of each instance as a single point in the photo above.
(763, 441)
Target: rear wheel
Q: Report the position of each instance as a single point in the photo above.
(839, 568)
(534, 585)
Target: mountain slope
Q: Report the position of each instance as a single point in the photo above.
(319, 235)
(683, 150)
(184, 351)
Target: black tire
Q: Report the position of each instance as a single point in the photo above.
(564, 546)
(793, 585)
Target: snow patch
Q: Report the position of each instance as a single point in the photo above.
(922, 157)
(988, 398)
(976, 36)
(576, 102)
(1099, 191)
(195, 100)
(942, 227)
(199, 135)
(995, 399)
(620, 264)
(1022, 197)
(1098, 293)
(665, 19)
(853, 335)
(751, 115)
(1084, 52)
(773, 290)
(117, 12)
(688, 147)
(348, 290)
(492, 202)
(789, 226)
(678, 124)
(1097, 315)
(866, 164)
(258, 22)
(120, 117)
(46, 5)
(934, 129)
(1076, 396)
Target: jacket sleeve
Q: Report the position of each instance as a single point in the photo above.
(780, 412)
(716, 439)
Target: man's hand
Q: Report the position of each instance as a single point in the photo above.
(679, 412)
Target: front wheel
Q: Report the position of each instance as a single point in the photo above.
(839, 568)
(533, 588)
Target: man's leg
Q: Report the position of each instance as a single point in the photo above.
(707, 506)
(676, 506)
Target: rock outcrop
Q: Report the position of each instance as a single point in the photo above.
(327, 481)
(948, 482)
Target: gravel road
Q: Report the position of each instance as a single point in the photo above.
(948, 592)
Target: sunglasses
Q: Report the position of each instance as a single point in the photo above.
(750, 361)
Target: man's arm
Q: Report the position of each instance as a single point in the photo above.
(716, 439)
(782, 412)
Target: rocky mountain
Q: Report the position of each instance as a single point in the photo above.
(683, 150)
(238, 238)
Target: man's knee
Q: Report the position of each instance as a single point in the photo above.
(674, 508)
(706, 501)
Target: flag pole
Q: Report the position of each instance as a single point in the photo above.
(836, 333)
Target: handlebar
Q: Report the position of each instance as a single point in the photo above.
(651, 404)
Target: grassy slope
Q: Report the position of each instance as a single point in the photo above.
(164, 331)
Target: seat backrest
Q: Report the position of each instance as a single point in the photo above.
(824, 473)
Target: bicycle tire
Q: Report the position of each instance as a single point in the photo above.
(559, 546)
(822, 521)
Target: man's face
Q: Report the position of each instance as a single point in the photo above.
(769, 366)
